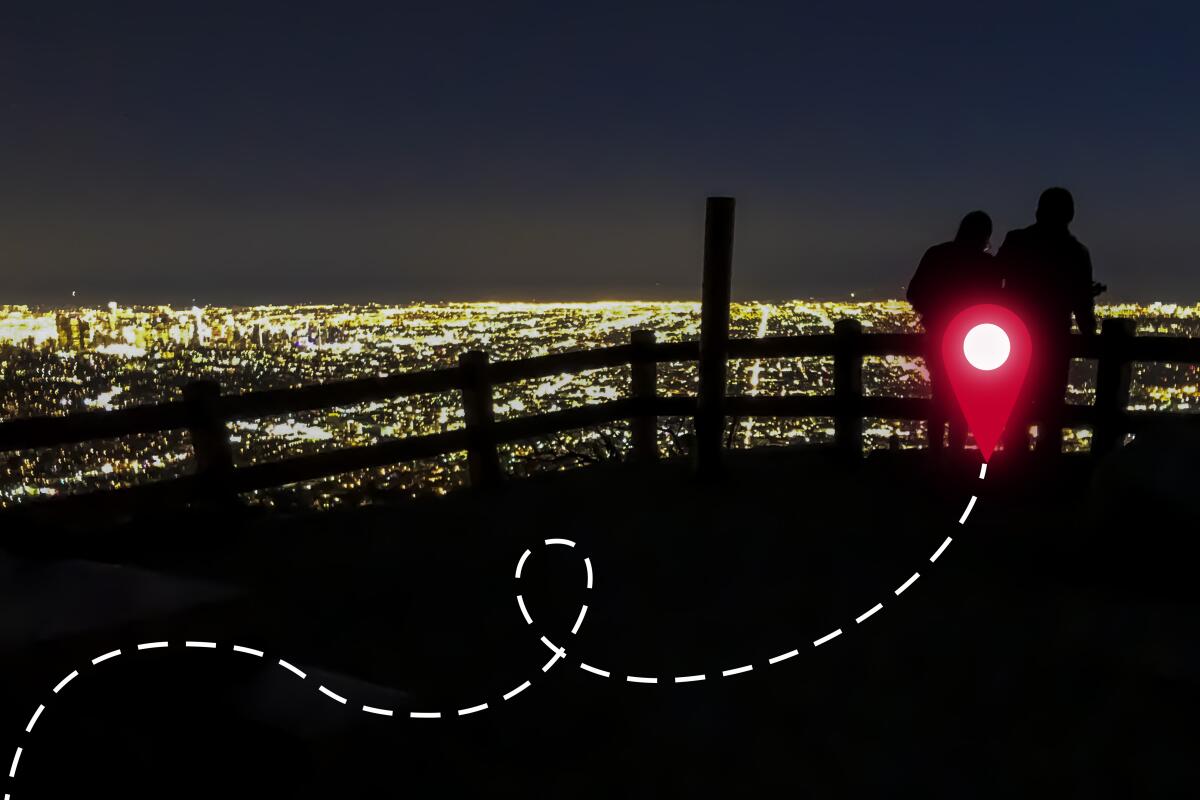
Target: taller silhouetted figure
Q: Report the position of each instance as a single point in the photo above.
(951, 277)
(1047, 278)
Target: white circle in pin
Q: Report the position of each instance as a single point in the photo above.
(986, 346)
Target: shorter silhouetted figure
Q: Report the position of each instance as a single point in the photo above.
(951, 277)
(1047, 276)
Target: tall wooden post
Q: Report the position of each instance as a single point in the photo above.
(848, 387)
(1112, 385)
(483, 460)
(210, 439)
(714, 333)
(644, 388)
(935, 420)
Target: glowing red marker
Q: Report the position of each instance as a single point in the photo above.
(986, 350)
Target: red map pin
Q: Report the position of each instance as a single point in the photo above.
(986, 350)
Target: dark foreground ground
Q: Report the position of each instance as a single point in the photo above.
(1052, 649)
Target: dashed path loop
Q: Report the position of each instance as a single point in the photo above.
(558, 653)
(817, 642)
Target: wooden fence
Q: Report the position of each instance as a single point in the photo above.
(204, 411)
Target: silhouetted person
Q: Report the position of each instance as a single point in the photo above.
(1047, 276)
(950, 277)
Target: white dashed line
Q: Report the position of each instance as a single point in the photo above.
(938, 552)
(517, 691)
(970, 504)
(783, 657)
(74, 674)
(292, 669)
(874, 608)
(106, 656)
(579, 620)
(521, 563)
(559, 654)
(827, 637)
(328, 693)
(33, 720)
(383, 712)
(908, 583)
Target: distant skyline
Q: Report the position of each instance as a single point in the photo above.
(288, 152)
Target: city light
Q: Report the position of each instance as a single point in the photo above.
(65, 360)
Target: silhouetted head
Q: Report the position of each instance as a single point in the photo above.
(1056, 207)
(975, 230)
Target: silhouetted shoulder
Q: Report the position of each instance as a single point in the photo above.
(951, 274)
(941, 249)
(939, 253)
(1015, 241)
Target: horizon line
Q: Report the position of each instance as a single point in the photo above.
(526, 302)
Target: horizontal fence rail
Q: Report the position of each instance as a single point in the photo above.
(204, 411)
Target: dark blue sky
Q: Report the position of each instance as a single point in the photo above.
(257, 152)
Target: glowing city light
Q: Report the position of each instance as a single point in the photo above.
(59, 360)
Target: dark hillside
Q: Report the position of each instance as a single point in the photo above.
(1015, 655)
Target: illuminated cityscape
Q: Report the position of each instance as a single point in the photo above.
(65, 360)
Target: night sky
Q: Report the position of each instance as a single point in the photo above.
(263, 152)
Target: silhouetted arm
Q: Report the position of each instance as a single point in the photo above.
(993, 274)
(1085, 313)
(919, 288)
(1002, 261)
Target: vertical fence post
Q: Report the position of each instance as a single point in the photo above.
(714, 333)
(1112, 385)
(644, 388)
(210, 439)
(483, 461)
(935, 421)
(848, 387)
